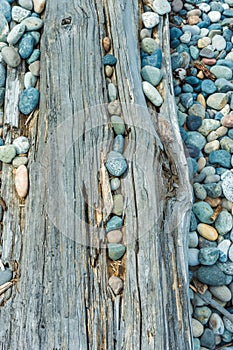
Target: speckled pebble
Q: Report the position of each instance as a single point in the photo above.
(11, 56)
(28, 100)
(152, 94)
(223, 223)
(116, 251)
(21, 144)
(150, 19)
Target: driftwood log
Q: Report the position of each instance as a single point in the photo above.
(62, 299)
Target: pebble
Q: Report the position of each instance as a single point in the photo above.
(230, 253)
(115, 183)
(152, 75)
(197, 327)
(118, 204)
(228, 324)
(226, 267)
(227, 121)
(193, 239)
(4, 28)
(116, 164)
(17, 161)
(193, 122)
(118, 144)
(5, 276)
(114, 236)
(109, 60)
(216, 323)
(15, 34)
(29, 80)
(27, 4)
(11, 56)
(116, 284)
(2, 75)
(212, 146)
(29, 99)
(203, 211)
(208, 125)
(202, 314)
(112, 92)
(218, 42)
(217, 101)
(196, 139)
(154, 60)
(207, 231)
(150, 19)
(226, 143)
(149, 45)
(161, 7)
(227, 186)
(106, 43)
(214, 16)
(26, 45)
(198, 110)
(108, 71)
(221, 157)
(7, 153)
(152, 94)
(114, 108)
(211, 275)
(223, 223)
(19, 13)
(21, 144)
(208, 256)
(199, 191)
(116, 251)
(193, 257)
(222, 293)
(114, 223)
(223, 248)
(118, 125)
(208, 339)
(39, 5)
(145, 33)
(21, 181)
(5, 9)
(33, 23)
(221, 72)
(35, 68)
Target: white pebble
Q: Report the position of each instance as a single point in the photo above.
(214, 16)
(204, 32)
(204, 7)
(150, 19)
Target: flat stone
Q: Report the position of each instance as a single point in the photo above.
(221, 157)
(214, 135)
(193, 256)
(26, 45)
(152, 94)
(118, 144)
(109, 60)
(226, 143)
(36, 36)
(221, 72)
(116, 164)
(207, 52)
(217, 101)
(228, 324)
(116, 251)
(29, 99)
(186, 99)
(218, 42)
(19, 13)
(227, 121)
(108, 71)
(161, 7)
(214, 16)
(35, 68)
(34, 56)
(177, 5)
(118, 204)
(5, 9)
(197, 328)
(115, 184)
(149, 45)
(202, 314)
(4, 28)
(208, 86)
(222, 293)
(186, 37)
(208, 339)
(33, 23)
(150, 19)
(196, 139)
(211, 275)
(21, 144)
(176, 61)
(193, 122)
(114, 108)
(193, 239)
(199, 191)
(203, 42)
(11, 56)
(152, 75)
(118, 125)
(198, 110)
(27, 4)
(39, 5)
(154, 60)
(208, 256)
(116, 284)
(5, 276)
(226, 267)
(207, 232)
(208, 125)
(114, 223)
(114, 236)
(29, 80)
(223, 223)
(112, 92)
(17, 161)
(145, 33)
(21, 181)
(223, 248)
(7, 153)
(212, 146)
(227, 186)
(15, 34)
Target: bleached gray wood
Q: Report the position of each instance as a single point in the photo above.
(63, 300)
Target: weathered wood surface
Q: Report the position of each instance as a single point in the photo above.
(62, 300)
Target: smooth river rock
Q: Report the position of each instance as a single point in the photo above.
(152, 94)
(21, 181)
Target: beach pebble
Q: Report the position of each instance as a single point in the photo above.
(114, 223)
(214, 16)
(39, 5)
(227, 121)
(106, 43)
(152, 94)
(203, 211)
(116, 284)
(193, 239)
(27, 4)
(228, 324)
(223, 248)
(208, 339)
(208, 256)
(15, 34)
(207, 232)
(21, 144)
(29, 99)
(33, 23)
(118, 204)
(115, 183)
(149, 45)
(217, 101)
(21, 181)
(161, 7)
(220, 157)
(116, 251)
(7, 153)
(211, 275)
(227, 186)
(5, 276)
(11, 56)
(193, 257)
(202, 314)
(116, 164)
(5, 9)
(114, 236)
(152, 75)
(114, 108)
(19, 13)
(215, 322)
(25, 45)
(222, 293)
(17, 161)
(223, 223)
(197, 327)
(29, 80)
(118, 144)
(118, 125)
(112, 92)
(150, 19)
(109, 60)
(35, 68)
(4, 28)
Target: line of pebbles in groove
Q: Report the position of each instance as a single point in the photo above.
(202, 63)
(20, 25)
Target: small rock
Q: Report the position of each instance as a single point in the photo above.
(7, 153)
(39, 5)
(218, 42)
(152, 94)
(211, 275)
(228, 324)
(198, 110)
(204, 212)
(150, 19)
(215, 322)
(207, 232)
(145, 33)
(154, 60)
(221, 72)
(26, 44)
(208, 125)
(149, 45)
(27, 4)
(11, 56)
(33, 23)
(114, 108)
(116, 251)
(116, 164)
(222, 293)
(226, 143)
(17, 161)
(5, 276)
(217, 101)
(29, 80)
(29, 99)
(4, 28)
(21, 144)
(15, 34)
(208, 256)
(34, 56)
(114, 236)
(2, 75)
(208, 339)
(231, 253)
(227, 186)
(109, 60)
(226, 267)
(152, 74)
(112, 92)
(197, 328)
(118, 204)
(202, 314)
(108, 71)
(21, 181)
(161, 7)
(116, 284)
(223, 248)
(227, 121)
(35, 68)
(118, 125)
(221, 157)
(115, 183)
(5, 9)
(114, 223)
(193, 239)
(106, 44)
(223, 223)
(193, 257)
(199, 191)
(118, 144)
(19, 14)
(214, 16)
(211, 146)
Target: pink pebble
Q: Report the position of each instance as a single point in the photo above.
(227, 121)
(21, 181)
(209, 61)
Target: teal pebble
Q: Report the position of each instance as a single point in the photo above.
(118, 144)
(115, 184)
(34, 56)
(203, 211)
(116, 163)
(116, 251)
(28, 100)
(118, 124)
(114, 223)
(5, 276)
